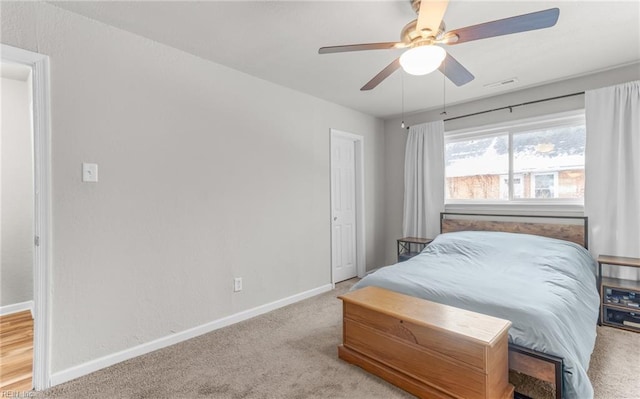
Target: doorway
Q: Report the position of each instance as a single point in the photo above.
(347, 206)
(16, 228)
(39, 231)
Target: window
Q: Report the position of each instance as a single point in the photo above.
(537, 160)
(518, 190)
(544, 185)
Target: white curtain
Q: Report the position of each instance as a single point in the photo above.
(612, 187)
(424, 180)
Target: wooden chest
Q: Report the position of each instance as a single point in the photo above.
(428, 349)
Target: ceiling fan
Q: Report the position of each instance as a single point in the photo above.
(423, 36)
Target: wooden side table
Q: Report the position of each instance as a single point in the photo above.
(405, 247)
(619, 298)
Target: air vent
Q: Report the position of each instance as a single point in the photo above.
(502, 83)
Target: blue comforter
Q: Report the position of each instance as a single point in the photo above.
(545, 287)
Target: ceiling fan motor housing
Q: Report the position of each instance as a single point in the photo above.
(411, 35)
(415, 5)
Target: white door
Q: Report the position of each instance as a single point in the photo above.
(343, 206)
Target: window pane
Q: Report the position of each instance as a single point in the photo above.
(544, 185)
(475, 169)
(551, 162)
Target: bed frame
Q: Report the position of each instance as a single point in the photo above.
(570, 228)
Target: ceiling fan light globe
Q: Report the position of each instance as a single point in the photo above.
(422, 60)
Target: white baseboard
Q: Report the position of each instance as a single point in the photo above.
(16, 307)
(109, 360)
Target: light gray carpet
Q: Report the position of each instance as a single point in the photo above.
(291, 353)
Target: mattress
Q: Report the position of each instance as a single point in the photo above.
(545, 287)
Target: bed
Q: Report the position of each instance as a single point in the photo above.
(519, 271)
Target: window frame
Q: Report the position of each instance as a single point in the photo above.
(564, 205)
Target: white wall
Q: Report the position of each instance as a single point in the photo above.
(396, 137)
(16, 198)
(205, 173)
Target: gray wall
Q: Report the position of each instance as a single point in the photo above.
(205, 174)
(16, 200)
(396, 137)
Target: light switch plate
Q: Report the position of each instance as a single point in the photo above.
(89, 172)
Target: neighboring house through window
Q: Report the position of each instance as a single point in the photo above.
(544, 185)
(537, 160)
(518, 188)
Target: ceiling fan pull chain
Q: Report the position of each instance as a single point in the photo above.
(402, 125)
(444, 89)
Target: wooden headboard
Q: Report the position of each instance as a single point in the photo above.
(568, 228)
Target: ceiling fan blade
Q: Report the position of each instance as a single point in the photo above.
(431, 14)
(388, 70)
(521, 23)
(455, 72)
(360, 47)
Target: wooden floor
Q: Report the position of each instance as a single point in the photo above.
(16, 352)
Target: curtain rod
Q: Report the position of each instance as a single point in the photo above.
(510, 107)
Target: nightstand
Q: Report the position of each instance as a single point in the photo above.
(408, 247)
(619, 298)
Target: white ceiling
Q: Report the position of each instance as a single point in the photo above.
(278, 41)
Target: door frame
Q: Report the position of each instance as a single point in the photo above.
(41, 117)
(358, 142)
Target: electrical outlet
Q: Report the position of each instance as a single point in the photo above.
(237, 284)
